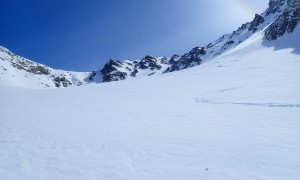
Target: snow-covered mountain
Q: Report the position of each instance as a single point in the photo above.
(280, 18)
(235, 116)
(18, 71)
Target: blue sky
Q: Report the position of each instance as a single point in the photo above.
(82, 35)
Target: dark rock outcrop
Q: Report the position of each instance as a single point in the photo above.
(92, 75)
(286, 22)
(61, 81)
(258, 19)
(148, 62)
(116, 70)
(133, 74)
(111, 71)
(39, 70)
(275, 6)
(174, 59)
(31, 67)
(191, 59)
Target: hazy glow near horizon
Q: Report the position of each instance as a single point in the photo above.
(250, 6)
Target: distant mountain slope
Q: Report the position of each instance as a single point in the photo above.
(18, 71)
(280, 18)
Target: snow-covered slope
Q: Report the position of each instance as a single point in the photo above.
(235, 117)
(18, 71)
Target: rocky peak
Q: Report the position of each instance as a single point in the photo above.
(149, 58)
(258, 19)
(113, 63)
(149, 62)
(286, 22)
(191, 59)
(111, 71)
(275, 6)
(174, 58)
(197, 51)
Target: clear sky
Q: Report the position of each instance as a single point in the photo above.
(82, 35)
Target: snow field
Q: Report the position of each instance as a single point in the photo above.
(215, 121)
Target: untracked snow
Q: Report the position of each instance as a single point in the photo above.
(234, 117)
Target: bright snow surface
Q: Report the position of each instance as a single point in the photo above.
(234, 117)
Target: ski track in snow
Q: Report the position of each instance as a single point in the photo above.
(209, 101)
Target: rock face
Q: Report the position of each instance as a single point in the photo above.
(149, 62)
(258, 19)
(191, 59)
(275, 6)
(111, 71)
(286, 21)
(115, 70)
(61, 81)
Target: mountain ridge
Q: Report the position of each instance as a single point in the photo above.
(280, 18)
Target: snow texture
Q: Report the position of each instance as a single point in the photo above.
(233, 117)
(236, 116)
